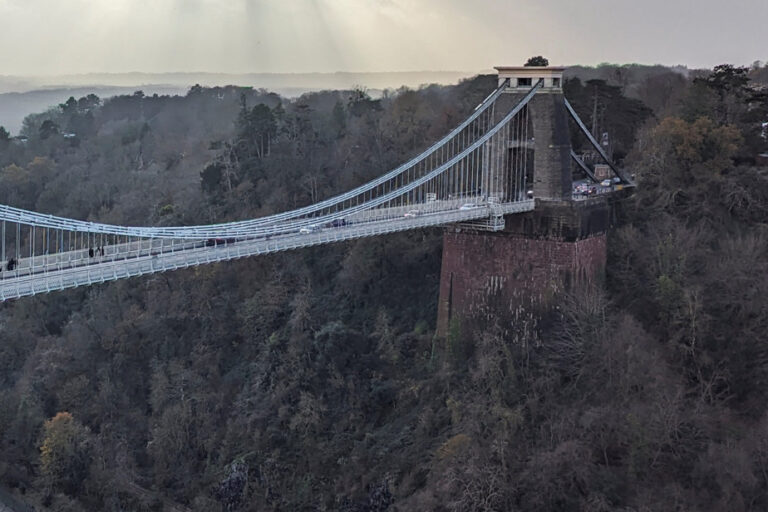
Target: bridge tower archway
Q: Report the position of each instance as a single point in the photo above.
(538, 151)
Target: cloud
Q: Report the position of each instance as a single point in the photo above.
(76, 36)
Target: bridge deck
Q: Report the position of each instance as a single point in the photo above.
(470, 176)
(65, 271)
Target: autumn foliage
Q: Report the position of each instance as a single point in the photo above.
(64, 452)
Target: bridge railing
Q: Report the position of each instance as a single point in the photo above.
(454, 142)
(471, 175)
(42, 282)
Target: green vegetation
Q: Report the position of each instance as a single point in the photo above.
(609, 112)
(312, 380)
(537, 61)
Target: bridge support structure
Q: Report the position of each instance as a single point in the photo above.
(537, 255)
(546, 132)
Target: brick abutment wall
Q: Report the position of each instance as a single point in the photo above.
(487, 273)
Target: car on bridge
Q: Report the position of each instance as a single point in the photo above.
(470, 206)
(412, 213)
(581, 189)
(309, 229)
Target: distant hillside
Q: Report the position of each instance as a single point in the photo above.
(15, 106)
(20, 96)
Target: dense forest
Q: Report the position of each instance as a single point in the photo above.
(312, 380)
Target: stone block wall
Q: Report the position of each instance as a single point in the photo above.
(552, 145)
(536, 257)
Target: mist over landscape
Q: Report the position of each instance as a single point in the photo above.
(20, 96)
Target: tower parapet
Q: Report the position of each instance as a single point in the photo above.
(521, 78)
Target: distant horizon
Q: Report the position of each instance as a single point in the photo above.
(354, 72)
(283, 73)
(24, 95)
(21, 95)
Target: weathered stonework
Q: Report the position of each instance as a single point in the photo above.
(538, 255)
(548, 119)
(551, 145)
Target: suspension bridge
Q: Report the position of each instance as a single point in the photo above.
(494, 164)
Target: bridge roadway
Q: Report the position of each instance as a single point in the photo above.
(62, 270)
(135, 247)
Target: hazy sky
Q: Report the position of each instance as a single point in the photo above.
(46, 37)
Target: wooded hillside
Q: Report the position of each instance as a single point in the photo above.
(312, 380)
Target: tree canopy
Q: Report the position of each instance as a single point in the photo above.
(537, 61)
(312, 380)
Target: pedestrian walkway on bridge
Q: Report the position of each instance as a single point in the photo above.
(490, 166)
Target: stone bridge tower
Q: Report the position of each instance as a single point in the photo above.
(537, 254)
(548, 116)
